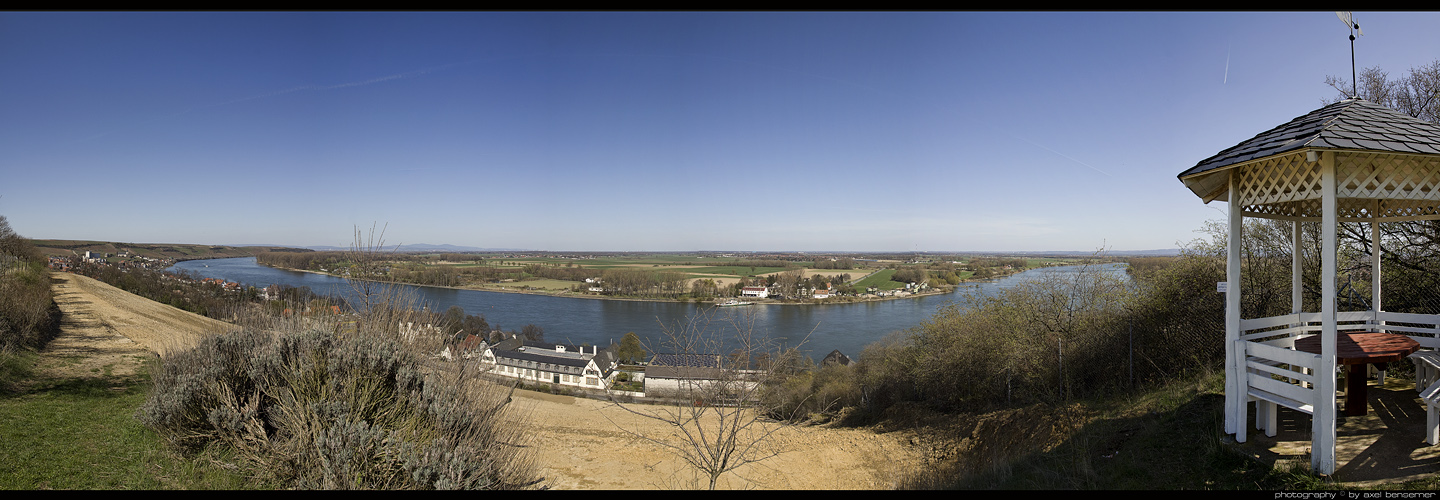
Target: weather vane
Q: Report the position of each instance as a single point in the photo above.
(1349, 20)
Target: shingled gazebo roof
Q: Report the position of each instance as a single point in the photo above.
(1351, 124)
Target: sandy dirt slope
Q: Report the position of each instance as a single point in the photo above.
(108, 331)
(581, 449)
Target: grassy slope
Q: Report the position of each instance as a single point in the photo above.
(1167, 438)
(82, 434)
(880, 280)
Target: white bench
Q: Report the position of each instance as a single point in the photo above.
(1427, 368)
(1427, 381)
(1431, 396)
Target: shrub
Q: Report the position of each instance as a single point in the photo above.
(28, 315)
(308, 409)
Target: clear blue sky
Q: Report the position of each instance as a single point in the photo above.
(653, 131)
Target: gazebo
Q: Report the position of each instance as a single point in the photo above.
(1351, 161)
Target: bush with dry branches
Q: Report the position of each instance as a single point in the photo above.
(717, 421)
(356, 401)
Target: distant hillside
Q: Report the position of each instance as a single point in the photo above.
(177, 251)
(423, 247)
(1164, 252)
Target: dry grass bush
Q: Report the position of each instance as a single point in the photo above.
(1068, 335)
(812, 393)
(29, 317)
(342, 402)
(28, 314)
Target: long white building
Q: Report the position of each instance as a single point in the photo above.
(556, 364)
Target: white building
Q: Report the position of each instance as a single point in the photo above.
(557, 364)
(758, 292)
(683, 374)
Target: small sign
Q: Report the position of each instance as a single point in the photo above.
(1222, 287)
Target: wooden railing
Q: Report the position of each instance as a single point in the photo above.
(1424, 328)
(1283, 375)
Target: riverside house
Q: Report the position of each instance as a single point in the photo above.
(557, 364)
(758, 292)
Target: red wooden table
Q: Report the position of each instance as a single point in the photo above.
(1357, 349)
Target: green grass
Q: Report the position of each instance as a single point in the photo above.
(81, 434)
(880, 280)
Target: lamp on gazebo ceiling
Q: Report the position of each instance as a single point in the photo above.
(1351, 161)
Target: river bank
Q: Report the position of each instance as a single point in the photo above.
(848, 327)
(589, 295)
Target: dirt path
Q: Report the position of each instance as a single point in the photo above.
(107, 332)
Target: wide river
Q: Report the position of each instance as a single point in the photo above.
(847, 327)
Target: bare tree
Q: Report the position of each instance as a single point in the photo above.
(713, 372)
(1408, 247)
(367, 259)
(1417, 93)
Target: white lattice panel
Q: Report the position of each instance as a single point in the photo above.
(1387, 176)
(1278, 180)
(1288, 187)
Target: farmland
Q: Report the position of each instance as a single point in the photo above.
(699, 276)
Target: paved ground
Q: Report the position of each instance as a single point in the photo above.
(1387, 445)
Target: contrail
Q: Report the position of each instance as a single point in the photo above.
(1227, 65)
(361, 83)
(1066, 157)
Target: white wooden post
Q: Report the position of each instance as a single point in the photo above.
(1375, 263)
(1297, 285)
(1375, 280)
(1322, 444)
(1236, 387)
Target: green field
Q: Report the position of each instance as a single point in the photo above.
(541, 283)
(880, 280)
(732, 270)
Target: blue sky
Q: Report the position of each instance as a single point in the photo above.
(950, 131)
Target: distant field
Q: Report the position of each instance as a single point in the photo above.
(547, 284)
(1048, 261)
(732, 270)
(880, 280)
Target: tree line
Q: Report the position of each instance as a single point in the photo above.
(28, 315)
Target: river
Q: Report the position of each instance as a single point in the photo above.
(846, 327)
